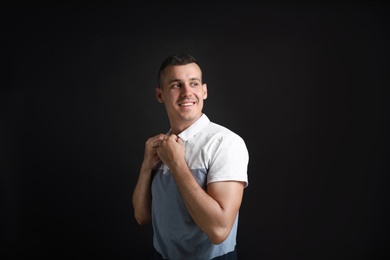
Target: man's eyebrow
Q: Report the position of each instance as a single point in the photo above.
(178, 80)
(173, 80)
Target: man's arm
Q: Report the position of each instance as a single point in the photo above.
(142, 196)
(215, 209)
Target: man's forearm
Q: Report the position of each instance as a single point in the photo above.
(142, 197)
(205, 211)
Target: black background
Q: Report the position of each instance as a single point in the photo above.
(306, 84)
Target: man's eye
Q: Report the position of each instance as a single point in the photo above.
(194, 84)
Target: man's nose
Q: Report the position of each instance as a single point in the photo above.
(186, 91)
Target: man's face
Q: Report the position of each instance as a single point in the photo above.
(183, 93)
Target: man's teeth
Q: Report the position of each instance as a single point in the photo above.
(186, 104)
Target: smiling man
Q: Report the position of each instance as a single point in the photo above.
(192, 179)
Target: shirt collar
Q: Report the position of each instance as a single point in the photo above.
(193, 129)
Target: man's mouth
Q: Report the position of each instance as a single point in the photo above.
(186, 104)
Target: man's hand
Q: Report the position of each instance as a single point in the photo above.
(171, 150)
(151, 145)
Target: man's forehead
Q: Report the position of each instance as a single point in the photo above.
(182, 72)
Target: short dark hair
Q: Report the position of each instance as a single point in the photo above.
(176, 59)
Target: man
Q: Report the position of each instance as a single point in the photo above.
(192, 179)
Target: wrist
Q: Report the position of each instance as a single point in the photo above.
(178, 165)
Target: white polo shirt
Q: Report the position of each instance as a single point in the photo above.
(213, 153)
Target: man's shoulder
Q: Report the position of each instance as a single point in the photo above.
(218, 130)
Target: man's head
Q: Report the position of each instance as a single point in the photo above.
(175, 59)
(181, 89)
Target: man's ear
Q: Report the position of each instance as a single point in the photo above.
(204, 91)
(159, 95)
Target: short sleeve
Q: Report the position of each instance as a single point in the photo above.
(229, 159)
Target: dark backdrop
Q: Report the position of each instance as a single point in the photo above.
(306, 84)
